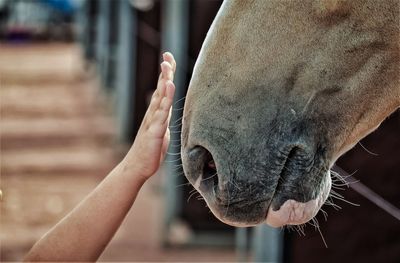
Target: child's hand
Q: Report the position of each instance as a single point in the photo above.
(152, 140)
(84, 233)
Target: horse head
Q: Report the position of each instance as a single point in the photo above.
(280, 90)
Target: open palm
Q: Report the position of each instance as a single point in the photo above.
(152, 139)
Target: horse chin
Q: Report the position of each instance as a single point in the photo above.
(293, 212)
(249, 222)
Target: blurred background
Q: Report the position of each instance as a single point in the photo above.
(75, 80)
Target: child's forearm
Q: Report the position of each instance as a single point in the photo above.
(85, 232)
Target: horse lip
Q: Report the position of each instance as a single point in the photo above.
(277, 185)
(288, 157)
(244, 202)
(241, 204)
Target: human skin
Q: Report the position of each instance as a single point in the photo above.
(85, 232)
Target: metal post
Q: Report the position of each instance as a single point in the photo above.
(113, 30)
(81, 21)
(126, 68)
(241, 243)
(85, 26)
(267, 244)
(174, 39)
(102, 48)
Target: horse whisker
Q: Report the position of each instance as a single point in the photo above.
(179, 100)
(368, 151)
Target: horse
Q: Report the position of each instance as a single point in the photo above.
(280, 90)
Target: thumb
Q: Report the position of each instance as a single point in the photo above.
(165, 144)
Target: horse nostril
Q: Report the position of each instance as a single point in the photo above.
(203, 168)
(210, 170)
(211, 164)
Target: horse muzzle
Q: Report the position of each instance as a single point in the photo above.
(288, 188)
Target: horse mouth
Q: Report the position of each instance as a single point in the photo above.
(289, 196)
(250, 212)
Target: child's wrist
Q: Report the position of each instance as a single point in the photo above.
(132, 171)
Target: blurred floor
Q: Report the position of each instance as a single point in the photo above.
(57, 143)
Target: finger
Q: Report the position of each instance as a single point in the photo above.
(166, 71)
(167, 56)
(160, 90)
(156, 98)
(164, 147)
(170, 90)
(164, 75)
(170, 96)
(161, 115)
(169, 117)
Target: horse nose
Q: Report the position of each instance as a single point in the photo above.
(202, 171)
